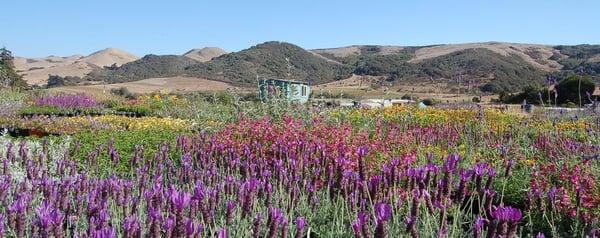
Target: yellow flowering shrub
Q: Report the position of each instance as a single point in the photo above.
(133, 123)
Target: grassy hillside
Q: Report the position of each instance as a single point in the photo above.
(484, 68)
(489, 67)
(578, 57)
(150, 66)
(269, 59)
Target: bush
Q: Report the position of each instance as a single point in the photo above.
(476, 100)
(409, 97)
(124, 92)
(428, 102)
(58, 81)
(124, 142)
(490, 87)
(138, 110)
(567, 89)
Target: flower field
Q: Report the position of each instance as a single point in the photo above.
(214, 168)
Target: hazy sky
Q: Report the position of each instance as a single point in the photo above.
(61, 27)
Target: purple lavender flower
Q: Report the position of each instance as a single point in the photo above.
(356, 227)
(67, 101)
(169, 225)
(18, 208)
(383, 213)
(508, 219)
(44, 221)
(1, 225)
(552, 196)
(451, 163)
(300, 226)
(131, 227)
(507, 214)
(478, 227)
(540, 235)
(257, 224)
(189, 227)
(229, 215)
(222, 233)
(180, 199)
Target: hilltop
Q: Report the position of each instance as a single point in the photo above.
(205, 54)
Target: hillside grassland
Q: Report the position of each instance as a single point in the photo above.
(491, 67)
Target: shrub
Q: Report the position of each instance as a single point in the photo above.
(568, 89)
(428, 101)
(124, 92)
(67, 101)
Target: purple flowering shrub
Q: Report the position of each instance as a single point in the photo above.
(67, 101)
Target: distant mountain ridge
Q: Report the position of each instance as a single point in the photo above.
(36, 70)
(489, 66)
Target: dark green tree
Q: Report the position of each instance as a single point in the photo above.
(9, 78)
(567, 88)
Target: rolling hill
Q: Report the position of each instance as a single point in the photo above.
(489, 67)
(270, 59)
(36, 70)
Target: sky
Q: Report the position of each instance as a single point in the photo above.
(66, 27)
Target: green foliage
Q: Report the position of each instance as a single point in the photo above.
(57, 111)
(568, 89)
(269, 59)
(429, 102)
(150, 66)
(124, 142)
(124, 92)
(490, 71)
(580, 57)
(9, 78)
(509, 73)
(531, 95)
(137, 110)
(58, 81)
(394, 65)
(11, 101)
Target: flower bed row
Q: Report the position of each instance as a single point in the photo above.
(265, 178)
